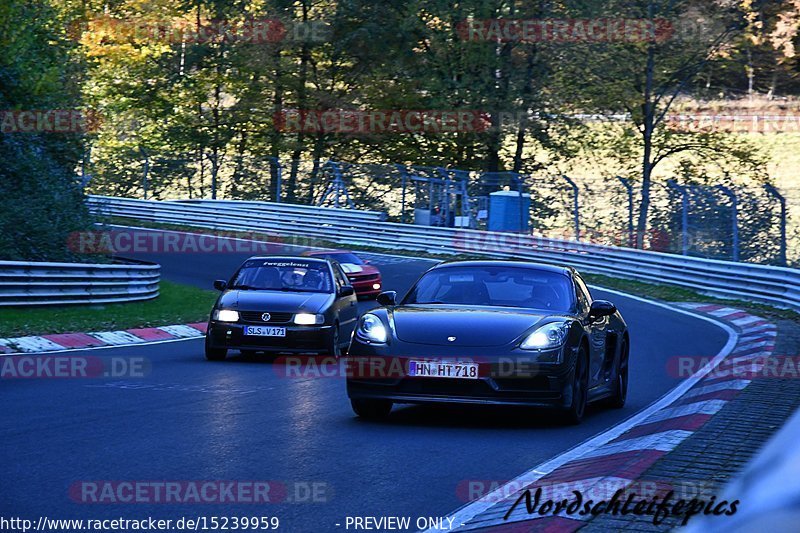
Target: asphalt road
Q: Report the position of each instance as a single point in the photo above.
(189, 419)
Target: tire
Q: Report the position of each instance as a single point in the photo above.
(371, 409)
(215, 354)
(580, 389)
(334, 342)
(617, 401)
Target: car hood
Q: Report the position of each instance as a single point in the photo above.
(361, 270)
(470, 327)
(276, 301)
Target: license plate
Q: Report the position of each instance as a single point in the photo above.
(433, 369)
(264, 331)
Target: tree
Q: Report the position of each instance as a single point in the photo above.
(41, 202)
(645, 76)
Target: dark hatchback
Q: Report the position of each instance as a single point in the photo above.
(490, 332)
(282, 304)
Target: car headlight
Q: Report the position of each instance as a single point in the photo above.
(226, 315)
(308, 319)
(547, 337)
(370, 328)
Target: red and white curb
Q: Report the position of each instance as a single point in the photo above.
(618, 457)
(81, 341)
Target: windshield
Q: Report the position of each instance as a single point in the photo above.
(342, 257)
(282, 275)
(494, 286)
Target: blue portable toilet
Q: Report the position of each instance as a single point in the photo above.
(509, 211)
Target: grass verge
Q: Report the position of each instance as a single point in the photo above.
(176, 304)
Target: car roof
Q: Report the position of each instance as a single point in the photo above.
(286, 258)
(322, 252)
(565, 270)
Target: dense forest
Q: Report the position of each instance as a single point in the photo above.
(204, 96)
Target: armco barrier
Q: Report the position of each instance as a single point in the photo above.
(289, 209)
(744, 281)
(28, 284)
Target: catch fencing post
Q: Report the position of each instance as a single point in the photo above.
(734, 218)
(782, 200)
(146, 170)
(278, 177)
(626, 182)
(576, 206)
(404, 177)
(684, 214)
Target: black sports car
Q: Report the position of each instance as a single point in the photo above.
(490, 332)
(283, 304)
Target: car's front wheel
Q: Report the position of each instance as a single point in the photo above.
(580, 389)
(215, 354)
(371, 409)
(620, 395)
(334, 346)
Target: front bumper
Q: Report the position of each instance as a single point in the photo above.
(503, 379)
(298, 339)
(366, 287)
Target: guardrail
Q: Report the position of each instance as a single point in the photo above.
(744, 281)
(288, 209)
(29, 284)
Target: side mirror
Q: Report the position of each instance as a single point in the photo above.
(602, 308)
(387, 298)
(220, 284)
(347, 290)
(365, 261)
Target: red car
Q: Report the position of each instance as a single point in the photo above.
(365, 278)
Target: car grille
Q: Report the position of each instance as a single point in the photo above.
(275, 318)
(368, 277)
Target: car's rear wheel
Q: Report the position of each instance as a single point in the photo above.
(215, 354)
(334, 342)
(371, 409)
(580, 389)
(620, 395)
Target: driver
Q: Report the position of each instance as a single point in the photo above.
(312, 280)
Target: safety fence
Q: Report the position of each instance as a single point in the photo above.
(31, 284)
(773, 285)
(759, 224)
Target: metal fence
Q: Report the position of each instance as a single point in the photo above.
(758, 224)
(31, 284)
(773, 285)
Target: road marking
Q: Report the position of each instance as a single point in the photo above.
(467, 512)
(117, 337)
(664, 441)
(737, 384)
(184, 332)
(708, 407)
(34, 344)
